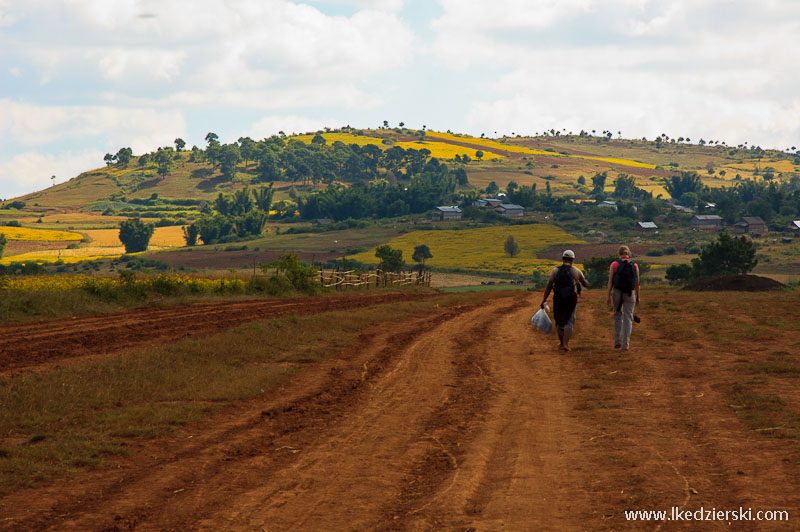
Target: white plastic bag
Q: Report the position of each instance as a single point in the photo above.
(541, 321)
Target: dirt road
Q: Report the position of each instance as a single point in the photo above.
(464, 420)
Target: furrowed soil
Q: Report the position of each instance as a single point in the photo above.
(465, 419)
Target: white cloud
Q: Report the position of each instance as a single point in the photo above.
(29, 171)
(182, 37)
(380, 5)
(29, 124)
(119, 64)
(271, 125)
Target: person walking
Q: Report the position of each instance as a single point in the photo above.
(565, 282)
(623, 295)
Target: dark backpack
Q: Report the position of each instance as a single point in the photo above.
(564, 283)
(625, 276)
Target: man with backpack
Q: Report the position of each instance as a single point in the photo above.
(565, 282)
(623, 294)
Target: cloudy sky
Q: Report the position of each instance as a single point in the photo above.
(80, 78)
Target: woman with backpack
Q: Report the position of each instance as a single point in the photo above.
(623, 294)
(565, 282)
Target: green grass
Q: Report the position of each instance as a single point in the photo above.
(69, 420)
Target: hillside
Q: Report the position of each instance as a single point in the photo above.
(559, 160)
(379, 186)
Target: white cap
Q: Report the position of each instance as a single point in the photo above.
(568, 254)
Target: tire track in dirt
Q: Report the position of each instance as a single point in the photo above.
(520, 468)
(40, 346)
(200, 476)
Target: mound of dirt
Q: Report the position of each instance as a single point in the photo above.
(736, 282)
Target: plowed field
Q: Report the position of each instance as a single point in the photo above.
(464, 419)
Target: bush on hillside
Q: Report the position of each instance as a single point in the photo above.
(135, 234)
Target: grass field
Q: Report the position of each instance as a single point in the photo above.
(481, 250)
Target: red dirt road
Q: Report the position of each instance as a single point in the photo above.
(460, 420)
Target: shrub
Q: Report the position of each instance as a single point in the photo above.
(726, 255)
(302, 278)
(135, 235)
(391, 260)
(678, 273)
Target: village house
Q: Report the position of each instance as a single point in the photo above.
(607, 204)
(441, 214)
(646, 226)
(487, 202)
(706, 222)
(509, 210)
(794, 228)
(751, 225)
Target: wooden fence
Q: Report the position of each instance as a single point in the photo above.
(346, 279)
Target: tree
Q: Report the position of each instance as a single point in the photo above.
(421, 253)
(109, 159)
(599, 183)
(190, 234)
(650, 210)
(241, 203)
(511, 246)
(479, 155)
(726, 255)
(3, 242)
(263, 197)
(492, 188)
(248, 148)
(179, 144)
(230, 156)
(391, 260)
(135, 235)
(678, 185)
(164, 161)
(212, 138)
(124, 156)
(678, 273)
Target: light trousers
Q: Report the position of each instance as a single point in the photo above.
(623, 317)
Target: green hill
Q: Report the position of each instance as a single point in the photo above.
(557, 160)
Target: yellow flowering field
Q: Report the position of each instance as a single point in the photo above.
(27, 233)
(442, 150)
(174, 283)
(105, 244)
(482, 249)
(66, 255)
(488, 143)
(169, 236)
